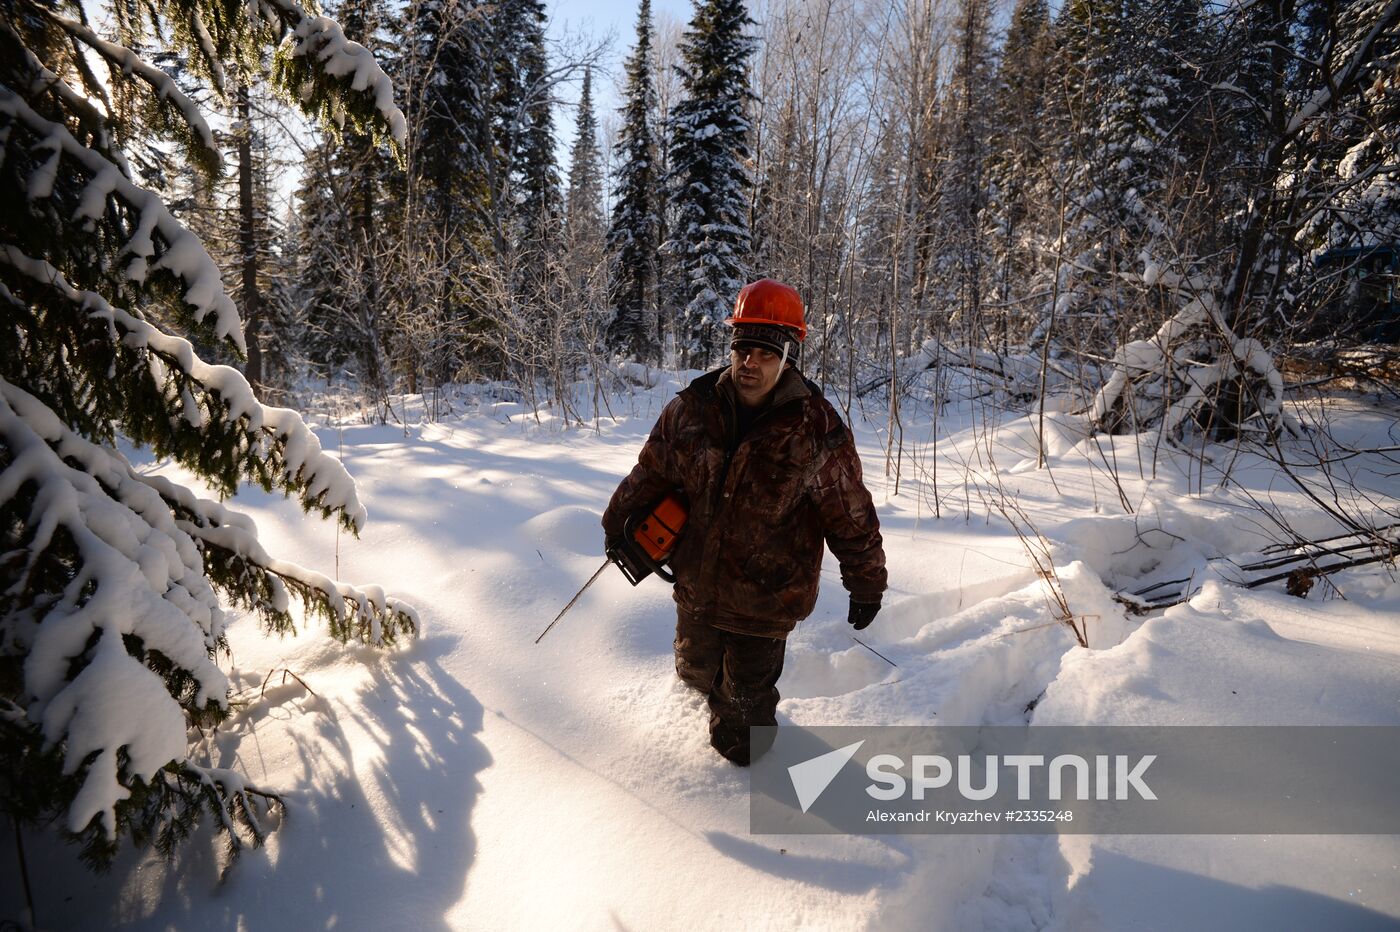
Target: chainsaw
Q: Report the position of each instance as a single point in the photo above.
(648, 539)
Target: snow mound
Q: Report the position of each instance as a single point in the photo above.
(566, 530)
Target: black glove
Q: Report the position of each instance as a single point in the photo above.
(611, 542)
(862, 614)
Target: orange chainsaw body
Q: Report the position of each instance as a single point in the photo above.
(649, 538)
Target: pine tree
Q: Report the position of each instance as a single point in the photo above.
(114, 582)
(530, 202)
(709, 180)
(1019, 166)
(1128, 91)
(633, 235)
(584, 227)
(445, 217)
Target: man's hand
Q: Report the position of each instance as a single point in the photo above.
(862, 613)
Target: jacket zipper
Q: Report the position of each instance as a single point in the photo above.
(731, 447)
(732, 444)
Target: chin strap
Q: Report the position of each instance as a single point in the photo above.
(783, 364)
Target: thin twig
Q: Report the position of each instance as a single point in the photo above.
(874, 651)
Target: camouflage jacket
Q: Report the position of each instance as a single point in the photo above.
(760, 508)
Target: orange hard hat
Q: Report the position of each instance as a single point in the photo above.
(768, 302)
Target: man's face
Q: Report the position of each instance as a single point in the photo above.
(756, 371)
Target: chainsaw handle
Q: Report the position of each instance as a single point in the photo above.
(636, 564)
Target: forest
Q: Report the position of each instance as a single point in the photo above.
(230, 229)
(1022, 193)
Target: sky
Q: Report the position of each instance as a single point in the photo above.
(575, 23)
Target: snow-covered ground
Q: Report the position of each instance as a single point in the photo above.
(477, 780)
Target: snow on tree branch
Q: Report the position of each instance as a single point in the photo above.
(86, 112)
(320, 44)
(136, 576)
(232, 798)
(319, 479)
(363, 610)
(206, 48)
(1191, 362)
(184, 255)
(1346, 79)
(163, 85)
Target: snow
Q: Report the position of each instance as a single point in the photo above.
(207, 49)
(327, 481)
(133, 713)
(164, 86)
(185, 256)
(476, 780)
(321, 39)
(1172, 342)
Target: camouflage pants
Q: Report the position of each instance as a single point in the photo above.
(738, 674)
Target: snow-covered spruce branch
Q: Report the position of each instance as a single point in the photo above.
(205, 42)
(364, 612)
(319, 478)
(134, 575)
(161, 83)
(279, 434)
(183, 254)
(316, 48)
(137, 590)
(234, 799)
(88, 116)
(1175, 348)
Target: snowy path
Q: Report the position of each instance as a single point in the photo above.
(478, 780)
(601, 778)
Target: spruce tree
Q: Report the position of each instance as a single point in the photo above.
(1127, 80)
(1019, 168)
(633, 235)
(964, 193)
(584, 228)
(1360, 148)
(541, 201)
(444, 205)
(359, 169)
(529, 207)
(325, 294)
(1208, 363)
(115, 582)
(709, 180)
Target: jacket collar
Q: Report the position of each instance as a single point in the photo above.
(792, 386)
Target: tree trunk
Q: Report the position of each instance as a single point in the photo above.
(247, 244)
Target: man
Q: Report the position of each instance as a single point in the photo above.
(769, 472)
